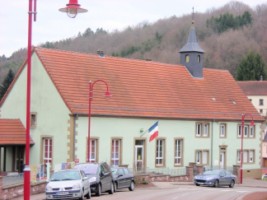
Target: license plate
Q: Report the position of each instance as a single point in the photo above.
(62, 193)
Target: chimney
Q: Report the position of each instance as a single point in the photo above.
(100, 53)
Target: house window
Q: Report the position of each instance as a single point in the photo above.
(187, 58)
(47, 147)
(160, 151)
(202, 129)
(248, 156)
(116, 152)
(178, 152)
(33, 120)
(93, 150)
(261, 102)
(202, 157)
(222, 130)
(248, 131)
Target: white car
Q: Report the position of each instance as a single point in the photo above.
(68, 184)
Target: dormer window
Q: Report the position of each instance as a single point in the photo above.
(187, 58)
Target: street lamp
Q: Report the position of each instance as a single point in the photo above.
(242, 138)
(32, 13)
(107, 94)
(73, 8)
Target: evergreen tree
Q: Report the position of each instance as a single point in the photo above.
(252, 67)
(9, 78)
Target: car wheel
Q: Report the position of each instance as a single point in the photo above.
(111, 191)
(99, 190)
(82, 197)
(197, 184)
(115, 187)
(88, 196)
(216, 183)
(131, 188)
(232, 184)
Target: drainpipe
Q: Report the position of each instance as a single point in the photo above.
(211, 145)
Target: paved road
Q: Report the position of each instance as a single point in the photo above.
(173, 191)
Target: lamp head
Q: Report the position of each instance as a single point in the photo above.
(108, 94)
(73, 8)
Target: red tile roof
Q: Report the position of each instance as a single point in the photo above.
(12, 132)
(254, 88)
(143, 88)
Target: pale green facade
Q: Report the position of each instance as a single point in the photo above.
(69, 131)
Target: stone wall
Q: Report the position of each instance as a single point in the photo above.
(16, 190)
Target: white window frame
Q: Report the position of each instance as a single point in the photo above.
(202, 129)
(249, 131)
(160, 152)
(198, 129)
(47, 149)
(116, 152)
(202, 157)
(178, 152)
(248, 156)
(223, 130)
(93, 150)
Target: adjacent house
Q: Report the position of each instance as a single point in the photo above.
(198, 110)
(257, 93)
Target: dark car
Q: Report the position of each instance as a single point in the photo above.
(100, 177)
(215, 178)
(122, 178)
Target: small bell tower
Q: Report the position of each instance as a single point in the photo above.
(191, 55)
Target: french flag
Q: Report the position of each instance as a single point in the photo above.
(153, 131)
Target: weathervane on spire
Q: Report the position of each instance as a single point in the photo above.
(193, 15)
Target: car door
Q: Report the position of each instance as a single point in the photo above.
(223, 178)
(127, 177)
(86, 182)
(120, 178)
(105, 176)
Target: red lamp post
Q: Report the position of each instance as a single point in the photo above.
(27, 171)
(242, 138)
(107, 94)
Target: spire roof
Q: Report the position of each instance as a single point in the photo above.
(192, 44)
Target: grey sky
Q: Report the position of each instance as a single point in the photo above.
(111, 15)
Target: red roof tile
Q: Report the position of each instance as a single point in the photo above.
(12, 132)
(144, 88)
(254, 88)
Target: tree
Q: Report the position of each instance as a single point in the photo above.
(9, 78)
(252, 67)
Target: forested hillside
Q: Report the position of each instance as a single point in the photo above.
(226, 34)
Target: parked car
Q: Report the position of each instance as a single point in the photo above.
(100, 177)
(215, 178)
(122, 178)
(68, 184)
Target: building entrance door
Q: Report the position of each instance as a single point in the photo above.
(139, 158)
(222, 158)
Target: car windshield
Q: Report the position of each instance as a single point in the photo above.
(89, 169)
(65, 176)
(213, 172)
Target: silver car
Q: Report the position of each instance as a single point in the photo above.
(68, 184)
(215, 178)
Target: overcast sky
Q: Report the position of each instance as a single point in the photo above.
(52, 25)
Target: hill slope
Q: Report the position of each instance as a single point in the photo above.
(162, 40)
